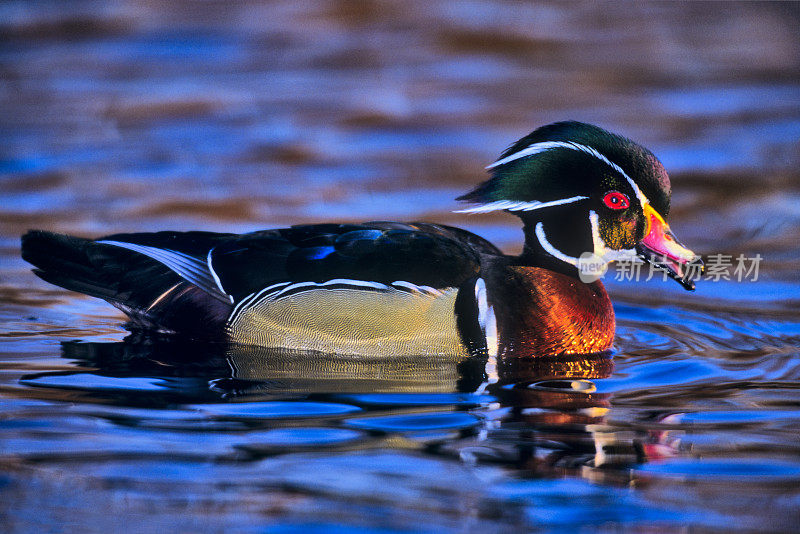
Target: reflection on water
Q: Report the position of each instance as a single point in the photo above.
(138, 116)
(244, 371)
(412, 436)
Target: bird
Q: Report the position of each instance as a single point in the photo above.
(585, 196)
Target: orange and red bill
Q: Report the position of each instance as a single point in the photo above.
(662, 249)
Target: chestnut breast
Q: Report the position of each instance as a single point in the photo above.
(540, 312)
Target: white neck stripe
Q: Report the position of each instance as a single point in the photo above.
(553, 251)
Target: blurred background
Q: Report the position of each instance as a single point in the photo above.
(233, 116)
(143, 115)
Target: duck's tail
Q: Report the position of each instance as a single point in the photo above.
(149, 292)
(65, 261)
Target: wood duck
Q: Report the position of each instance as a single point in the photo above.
(388, 288)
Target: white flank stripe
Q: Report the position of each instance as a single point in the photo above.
(482, 302)
(275, 291)
(492, 340)
(408, 285)
(335, 281)
(431, 290)
(253, 296)
(419, 289)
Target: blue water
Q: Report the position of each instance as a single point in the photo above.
(135, 117)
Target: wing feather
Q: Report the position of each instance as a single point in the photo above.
(187, 267)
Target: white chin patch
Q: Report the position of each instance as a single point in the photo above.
(600, 249)
(591, 265)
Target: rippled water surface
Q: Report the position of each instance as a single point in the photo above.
(137, 116)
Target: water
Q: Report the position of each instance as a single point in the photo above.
(129, 116)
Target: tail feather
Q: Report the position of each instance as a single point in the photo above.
(64, 260)
(148, 291)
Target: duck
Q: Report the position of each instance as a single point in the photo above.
(584, 195)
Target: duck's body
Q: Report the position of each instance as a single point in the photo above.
(372, 289)
(385, 288)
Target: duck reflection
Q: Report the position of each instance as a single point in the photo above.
(548, 408)
(538, 416)
(557, 422)
(242, 370)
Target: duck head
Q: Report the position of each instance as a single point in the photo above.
(583, 192)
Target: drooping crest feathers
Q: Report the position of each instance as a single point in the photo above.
(564, 171)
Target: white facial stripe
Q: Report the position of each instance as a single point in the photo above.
(553, 251)
(535, 148)
(544, 146)
(511, 205)
(600, 248)
(597, 241)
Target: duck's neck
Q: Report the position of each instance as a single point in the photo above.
(534, 254)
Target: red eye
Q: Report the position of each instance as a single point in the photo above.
(616, 200)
